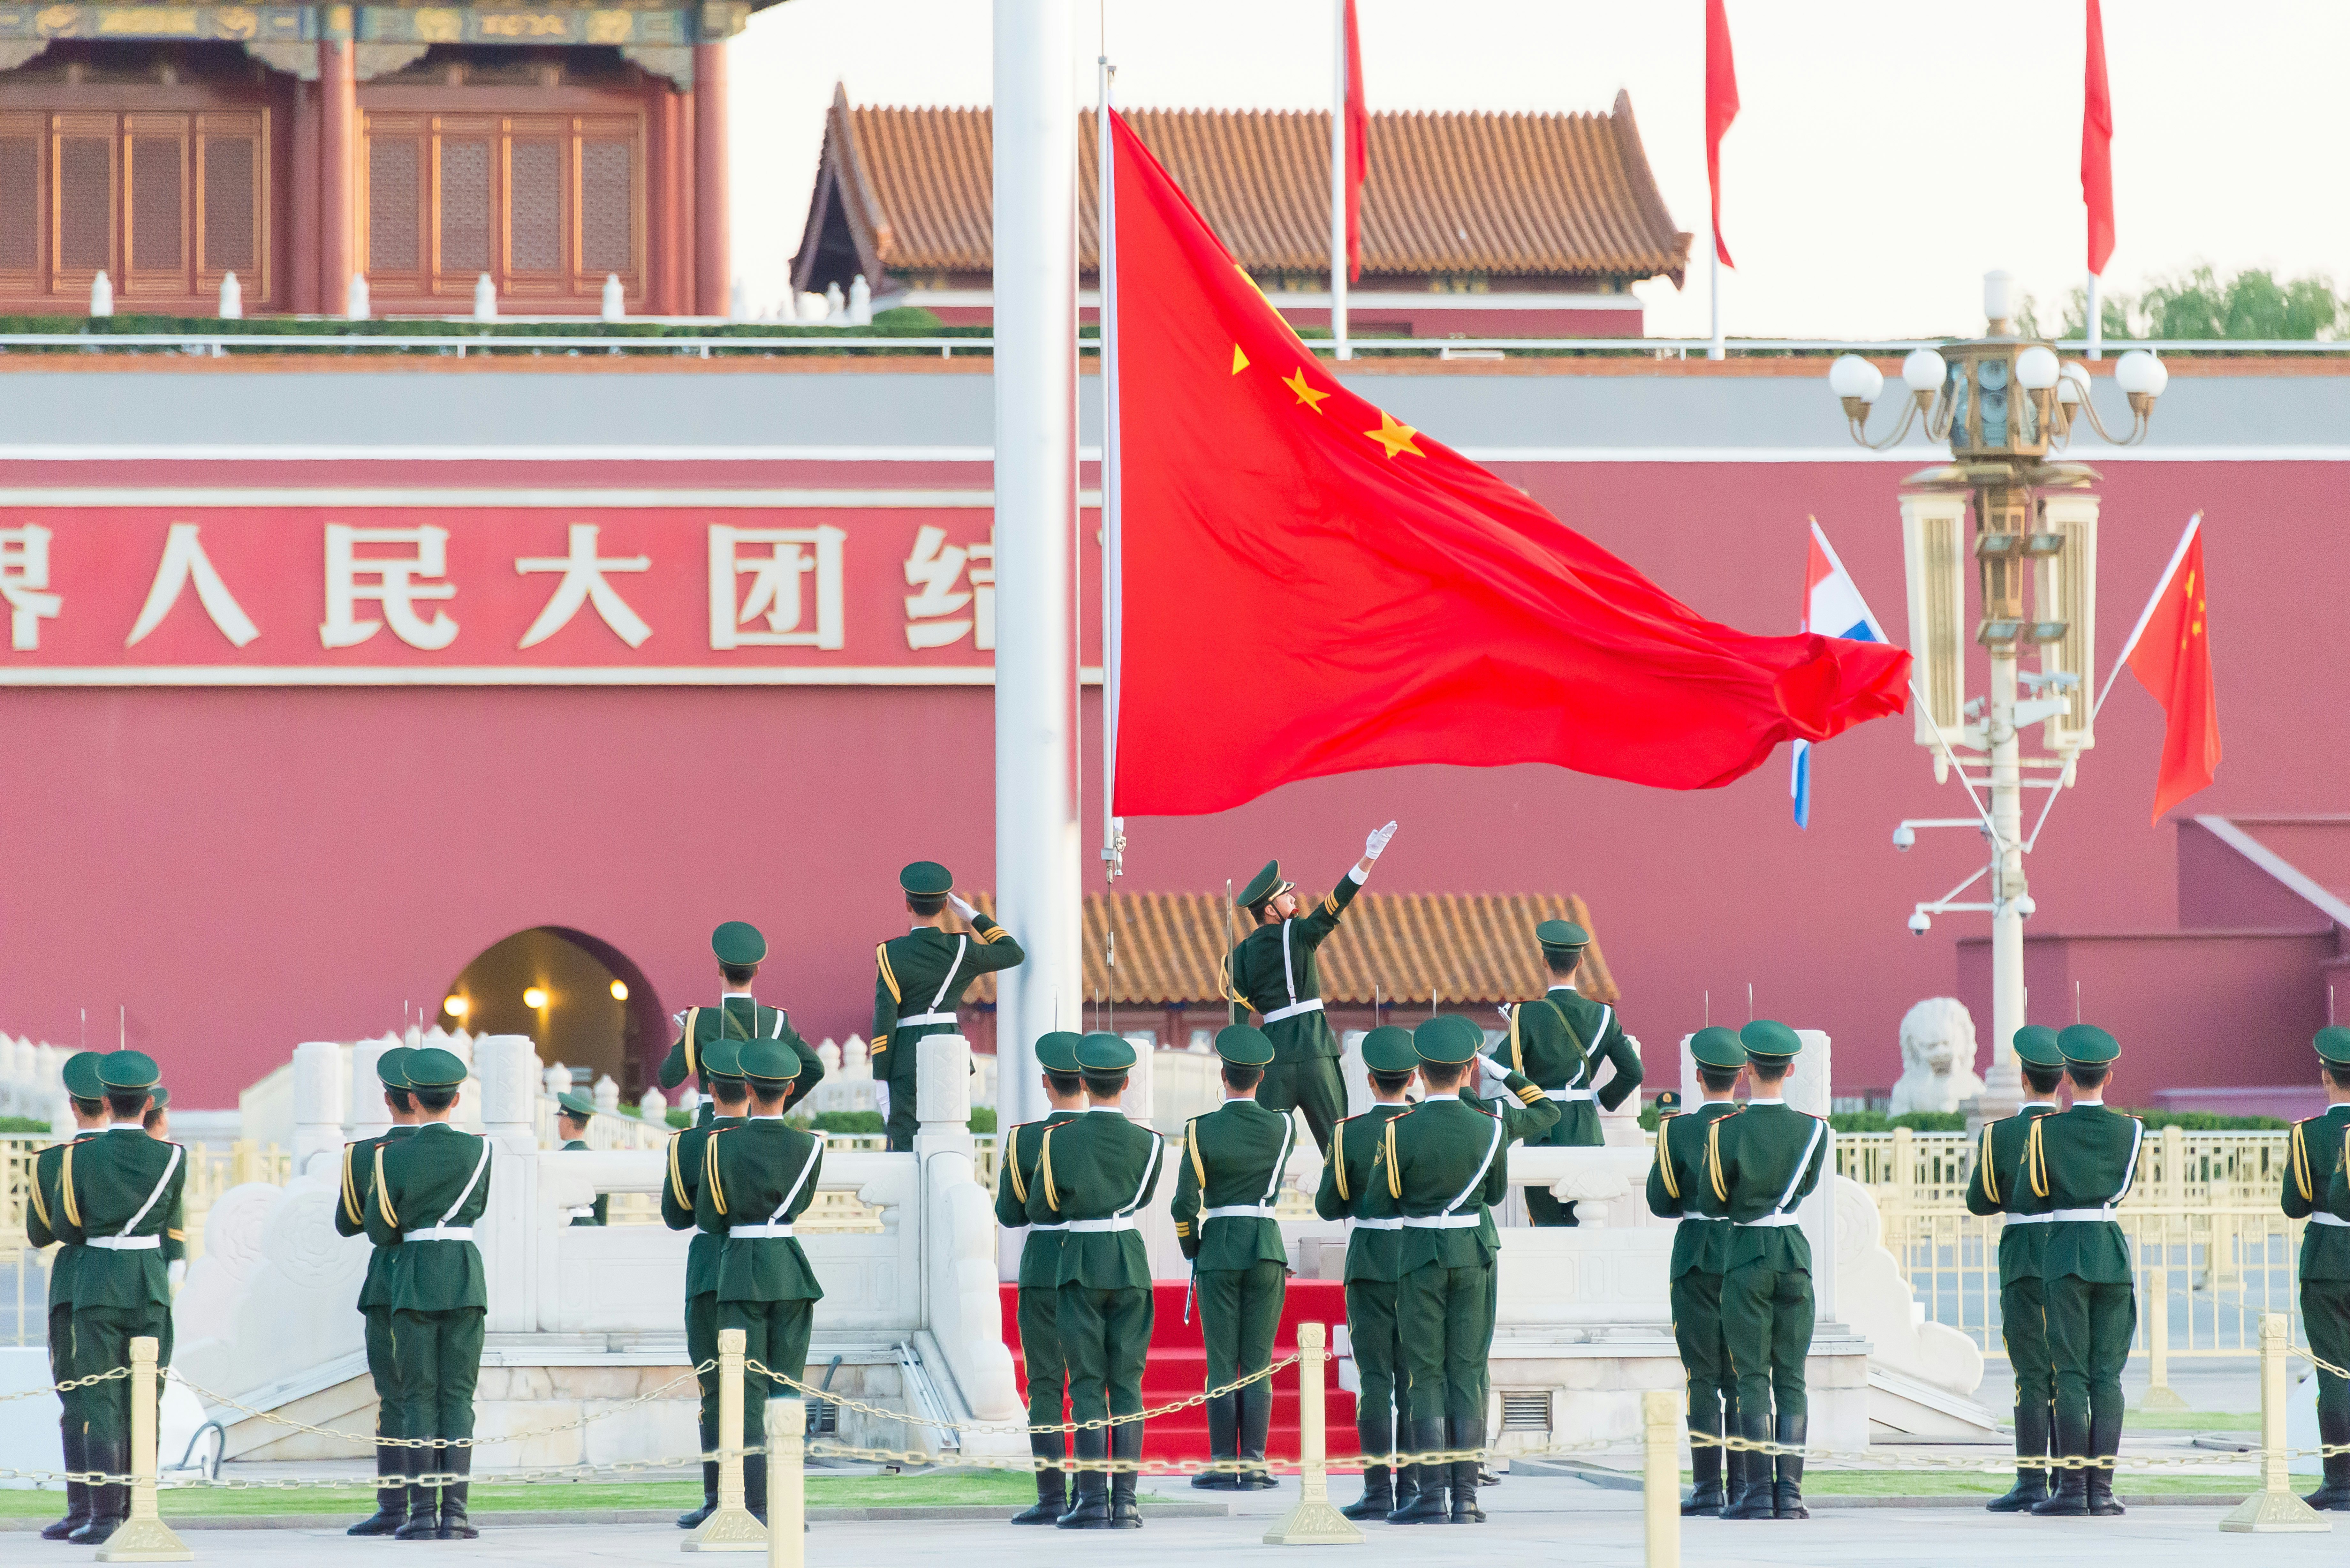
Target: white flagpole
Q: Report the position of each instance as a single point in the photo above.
(1112, 612)
(1716, 350)
(1338, 186)
(1837, 564)
(2162, 583)
(2097, 324)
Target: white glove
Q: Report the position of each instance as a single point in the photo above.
(1493, 1073)
(1378, 841)
(176, 1272)
(966, 910)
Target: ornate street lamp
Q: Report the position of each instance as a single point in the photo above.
(2004, 404)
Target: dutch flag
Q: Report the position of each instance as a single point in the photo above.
(1833, 607)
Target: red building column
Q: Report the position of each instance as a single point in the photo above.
(338, 158)
(711, 265)
(303, 226)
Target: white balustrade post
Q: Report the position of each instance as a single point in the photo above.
(653, 1108)
(1807, 1091)
(607, 1096)
(616, 303)
(231, 298)
(506, 1071)
(368, 1114)
(318, 1099)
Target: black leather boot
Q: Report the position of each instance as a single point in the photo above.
(76, 1451)
(2104, 1443)
(755, 1486)
(1462, 1433)
(2333, 1431)
(1787, 1493)
(390, 1501)
(1378, 1495)
(1706, 1495)
(109, 1505)
(2030, 1481)
(1091, 1510)
(454, 1525)
(693, 1517)
(423, 1502)
(1755, 1498)
(1428, 1504)
(1052, 1484)
(2070, 1498)
(1126, 1444)
(1256, 1429)
(1223, 1443)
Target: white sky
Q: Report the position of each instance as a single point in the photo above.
(1887, 152)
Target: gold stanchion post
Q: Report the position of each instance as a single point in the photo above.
(2274, 1510)
(733, 1527)
(1312, 1522)
(143, 1537)
(1661, 1476)
(786, 1483)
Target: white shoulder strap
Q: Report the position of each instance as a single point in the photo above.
(809, 1165)
(130, 1226)
(480, 1166)
(1280, 1165)
(1819, 1128)
(1607, 1017)
(962, 943)
(1288, 970)
(2130, 1177)
(1491, 1149)
(1149, 1168)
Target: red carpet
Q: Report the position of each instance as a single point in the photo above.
(1178, 1369)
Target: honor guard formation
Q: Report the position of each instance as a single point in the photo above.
(1416, 1176)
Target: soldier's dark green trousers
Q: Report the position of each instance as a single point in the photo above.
(1766, 1328)
(1105, 1339)
(62, 1367)
(1577, 1126)
(1239, 1310)
(2089, 1331)
(101, 1340)
(384, 1370)
(1705, 1356)
(1445, 1319)
(700, 1346)
(1040, 1353)
(1379, 1411)
(2023, 1323)
(2325, 1316)
(776, 1335)
(439, 1359)
(904, 1095)
(1312, 1085)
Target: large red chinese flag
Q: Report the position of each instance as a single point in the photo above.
(2172, 659)
(1308, 586)
(1359, 146)
(1720, 108)
(2097, 148)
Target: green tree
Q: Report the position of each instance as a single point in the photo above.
(2251, 304)
(2113, 310)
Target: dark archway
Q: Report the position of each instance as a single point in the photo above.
(584, 1001)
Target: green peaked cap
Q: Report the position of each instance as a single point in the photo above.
(769, 1062)
(2088, 1045)
(1770, 1039)
(391, 1067)
(1102, 1052)
(1562, 937)
(2036, 1043)
(722, 1057)
(1717, 1047)
(434, 1068)
(926, 880)
(1448, 1038)
(1388, 1049)
(1057, 1052)
(1244, 1045)
(1668, 1104)
(1265, 884)
(738, 942)
(577, 1104)
(129, 1070)
(2334, 1044)
(81, 1075)
(162, 1098)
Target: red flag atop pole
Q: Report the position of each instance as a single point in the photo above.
(2172, 658)
(1722, 107)
(2097, 146)
(1359, 146)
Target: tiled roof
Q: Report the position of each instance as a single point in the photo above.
(1454, 946)
(1547, 196)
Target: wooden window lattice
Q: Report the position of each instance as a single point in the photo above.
(534, 205)
(158, 204)
(85, 203)
(231, 209)
(464, 207)
(395, 197)
(20, 204)
(607, 207)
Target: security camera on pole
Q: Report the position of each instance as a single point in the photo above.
(2004, 404)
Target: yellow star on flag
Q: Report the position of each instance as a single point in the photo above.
(1306, 394)
(1240, 360)
(1395, 437)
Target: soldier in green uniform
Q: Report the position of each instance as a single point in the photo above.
(157, 1122)
(1559, 1041)
(740, 948)
(1438, 1169)
(428, 1189)
(571, 1125)
(680, 1199)
(1040, 1271)
(118, 1200)
(1762, 1164)
(919, 980)
(1526, 1113)
(2022, 1242)
(2076, 1165)
(1225, 1185)
(2317, 1184)
(756, 1179)
(1678, 1187)
(45, 1223)
(1095, 1173)
(1273, 972)
(1374, 1250)
(375, 1298)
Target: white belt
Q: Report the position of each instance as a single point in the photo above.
(1573, 1094)
(1101, 1227)
(1311, 1005)
(2329, 1220)
(442, 1233)
(2030, 1218)
(1768, 1219)
(1055, 1225)
(1704, 1218)
(768, 1231)
(921, 1018)
(2080, 1215)
(1442, 1222)
(1239, 1211)
(125, 1243)
(1390, 1223)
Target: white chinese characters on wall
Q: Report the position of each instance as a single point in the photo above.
(24, 584)
(936, 570)
(794, 589)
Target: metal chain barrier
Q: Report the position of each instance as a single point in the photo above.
(69, 1385)
(224, 1402)
(808, 1391)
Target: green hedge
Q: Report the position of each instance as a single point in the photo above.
(904, 322)
(23, 1125)
(1916, 1121)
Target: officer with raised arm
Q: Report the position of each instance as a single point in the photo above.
(1560, 1040)
(740, 948)
(919, 980)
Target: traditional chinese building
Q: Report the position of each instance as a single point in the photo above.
(421, 147)
(1478, 224)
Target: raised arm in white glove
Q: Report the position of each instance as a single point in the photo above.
(966, 910)
(1372, 847)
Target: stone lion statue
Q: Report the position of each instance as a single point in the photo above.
(1938, 1057)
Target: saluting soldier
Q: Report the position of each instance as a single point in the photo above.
(2077, 1164)
(756, 1179)
(740, 948)
(1440, 1168)
(2317, 1185)
(2022, 1247)
(1374, 1254)
(722, 1066)
(1762, 1164)
(1096, 1172)
(375, 1298)
(45, 1223)
(1678, 1187)
(1229, 1174)
(574, 1112)
(1273, 972)
(119, 1199)
(429, 1189)
(1560, 1040)
(1040, 1272)
(919, 980)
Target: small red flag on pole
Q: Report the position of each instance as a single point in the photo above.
(2096, 147)
(2171, 653)
(1359, 146)
(1722, 107)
